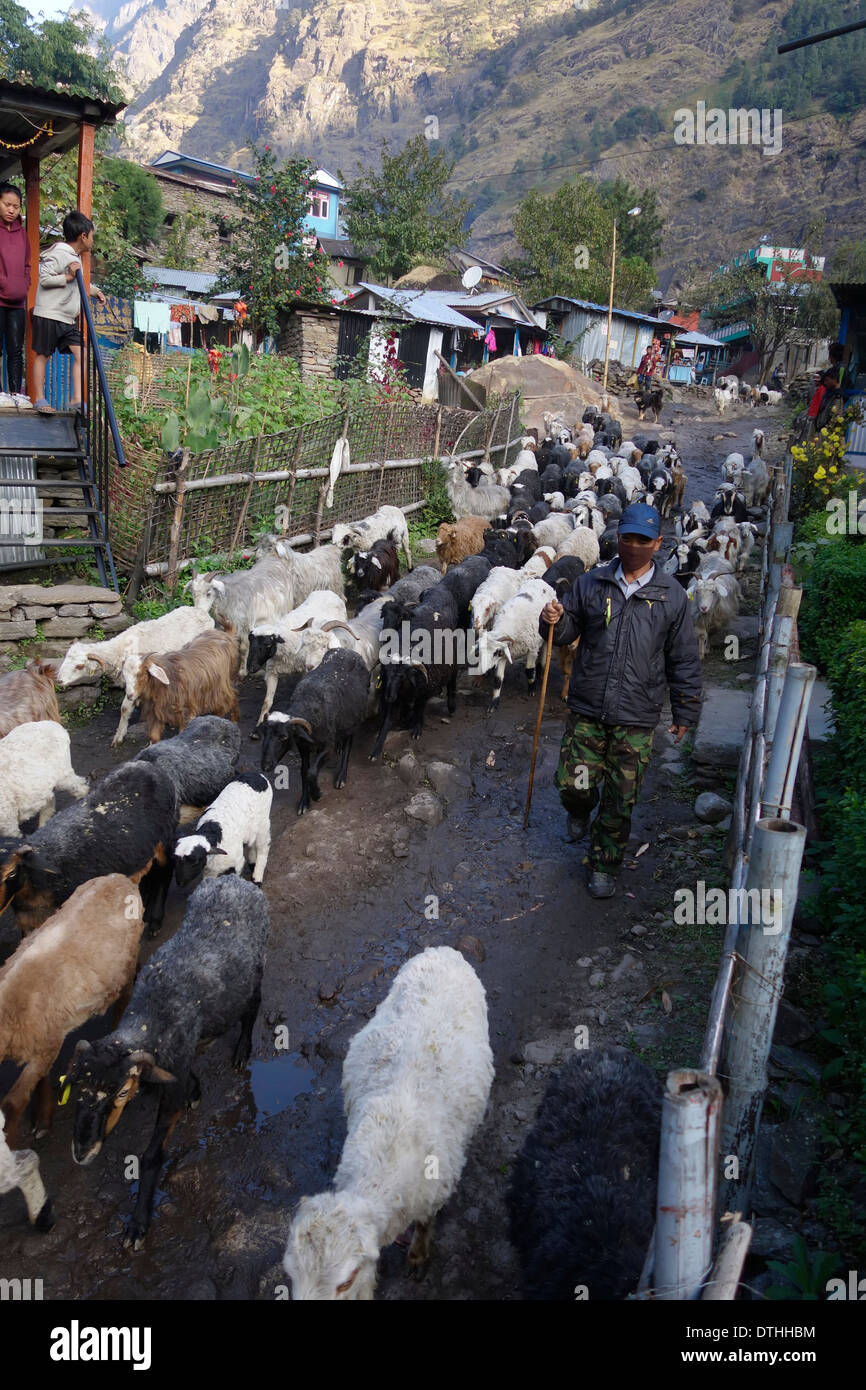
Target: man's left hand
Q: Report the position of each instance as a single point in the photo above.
(680, 730)
(98, 295)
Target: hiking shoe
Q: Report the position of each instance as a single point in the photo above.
(601, 884)
(576, 828)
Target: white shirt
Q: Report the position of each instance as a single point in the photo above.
(631, 588)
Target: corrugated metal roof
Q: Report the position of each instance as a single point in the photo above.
(695, 339)
(193, 281)
(597, 308)
(429, 306)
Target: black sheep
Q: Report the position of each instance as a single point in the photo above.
(204, 979)
(582, 1197)
(200, 760)
(499, 549)
(327, 707)
(433, 652)
(526, 487)
(608, 544)
(551, 478)
(378, 567)
(461, 581)
(539, 512)
(124, 825)
(562, 573)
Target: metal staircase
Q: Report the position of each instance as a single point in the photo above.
(68, 457)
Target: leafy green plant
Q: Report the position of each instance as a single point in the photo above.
(805, 1276)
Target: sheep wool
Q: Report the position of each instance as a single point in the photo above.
(415, 1085)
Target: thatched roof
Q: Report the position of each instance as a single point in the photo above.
(429, 277)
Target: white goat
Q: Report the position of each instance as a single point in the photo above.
(755, 482)
(525, 460)
(488, 501)
(35, 762)
(732, 468)
(20, 1168)
(715, 602)
(631, 481)
(538, 563)
(758, 442)
(515, 634)
(360, 635)
(233, 830)
(415, 1084)
(388, 523)
(158, 635)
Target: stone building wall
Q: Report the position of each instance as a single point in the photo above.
(48, 618)
(182, 196)
(310, 337)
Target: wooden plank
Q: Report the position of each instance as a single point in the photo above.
(460, 380)
(30, 166)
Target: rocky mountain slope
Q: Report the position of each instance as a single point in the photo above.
(516, 88)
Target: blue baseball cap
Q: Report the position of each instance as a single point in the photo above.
(640, 520)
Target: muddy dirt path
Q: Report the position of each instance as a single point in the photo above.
(354, 888)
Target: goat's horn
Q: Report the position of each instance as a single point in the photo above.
(91, 656)
(337, 622)
(293, 719)
(301, 628)
(421, 667)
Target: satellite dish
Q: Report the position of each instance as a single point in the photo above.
(471, 277)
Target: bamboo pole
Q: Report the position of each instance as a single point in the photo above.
(438, 432)
(762, 947)
(542, 697)
(609, 310)
(727, 1271)
(460, 382)
(691, 1111)
(177, 519)
(246, 502)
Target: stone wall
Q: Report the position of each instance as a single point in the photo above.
(203, 243)
(47, 619)
(310, 337)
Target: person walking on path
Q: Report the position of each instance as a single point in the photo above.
(14, 284)
(636, 635)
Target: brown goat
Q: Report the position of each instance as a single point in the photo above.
(83, 959)
(680, 480)
(199, 678)
(455, 540)
(28, 696)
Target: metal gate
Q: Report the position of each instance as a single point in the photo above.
(414, 342)
(354, 330)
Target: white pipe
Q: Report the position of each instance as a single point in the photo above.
(762, 944)
(788, 740)
(780, 648)
(687, 1184)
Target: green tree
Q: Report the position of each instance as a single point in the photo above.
(636, 236)
(848, 262)
(265, 259)
(176, 251)
(567, 238)
(402, 216)
(792, 309)
(136, 198)
(68, 53)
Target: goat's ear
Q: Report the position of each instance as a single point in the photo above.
(280, 641)
(280, 550)
(218, 850)
(158, 673)
(218, 585)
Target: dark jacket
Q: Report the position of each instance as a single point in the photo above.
(14, 264)
(629, 648)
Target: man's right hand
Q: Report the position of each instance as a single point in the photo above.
(71, 270)
(552, 612)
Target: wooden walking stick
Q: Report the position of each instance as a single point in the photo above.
(547, 657)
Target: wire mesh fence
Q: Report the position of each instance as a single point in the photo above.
(216, 502)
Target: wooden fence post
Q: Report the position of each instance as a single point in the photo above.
(294, 467)
(492, 431)
(177, 519)
(246, 502)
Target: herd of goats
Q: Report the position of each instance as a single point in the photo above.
(86, 881)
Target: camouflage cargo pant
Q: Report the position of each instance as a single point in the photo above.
(614, 758)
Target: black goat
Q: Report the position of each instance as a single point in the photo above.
(583, 1190)
(124, 825)
(327, 707)
(378, 567)
(204, 979)
(729, 502)
(562, 573)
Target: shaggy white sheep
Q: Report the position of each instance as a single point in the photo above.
(515, 635)
(36, 762)
(553, 530)
(388, 523)
(500, 585)
(583, 543)
(415, 1086)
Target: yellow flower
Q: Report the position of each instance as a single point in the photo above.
(820, 472)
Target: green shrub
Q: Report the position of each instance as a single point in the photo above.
(834, 597)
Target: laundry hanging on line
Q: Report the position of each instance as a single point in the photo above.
(150, 316)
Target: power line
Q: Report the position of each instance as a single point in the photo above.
(819, 38)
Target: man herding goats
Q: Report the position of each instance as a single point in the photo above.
(636, 633)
